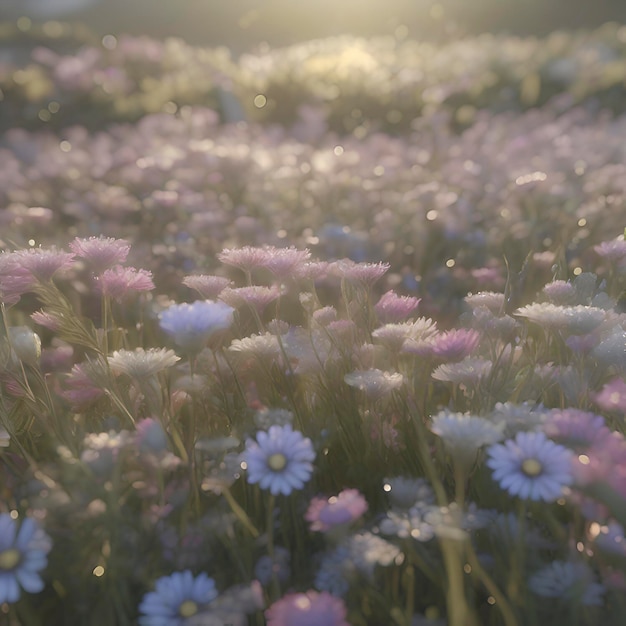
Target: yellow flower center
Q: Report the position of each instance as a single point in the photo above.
(188, 608)
(532, 467)
(277, 462)
(9, 559)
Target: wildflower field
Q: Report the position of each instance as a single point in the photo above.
(326, 335)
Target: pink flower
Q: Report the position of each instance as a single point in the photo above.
(101, 252)
(284, 262)
(83, 391)
(311, 608)
(209, 287)
(363, 273)
(119, 281)
(327, 513)
(455, 345)
(43, 263)
(246, 258)
(47, 320)
(257, 297)
(604, 463)
(612, 397)
(15, 280)
(613, 251)
(392, 308)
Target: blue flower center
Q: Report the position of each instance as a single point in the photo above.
(277, 461)
(9, 559)
(532, 467)
(188, 608)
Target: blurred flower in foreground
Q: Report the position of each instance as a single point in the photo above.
(279, 460)
(569, 581)
(23, 554)
(191, 325)
(531, 466)
(176, 598)
(327, 513)
(307, 609)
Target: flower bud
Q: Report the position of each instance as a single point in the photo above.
(26, 344)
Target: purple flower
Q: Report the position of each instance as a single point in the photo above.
(23, 554)
(573, 582)
(307, 609)
(575, 428)
(280, 460)
(191, 325)
(344, 508)
(531, 466)
(176, 598)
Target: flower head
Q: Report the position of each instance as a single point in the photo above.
(307, 609)
(280, 459)
(455, 345)
(576, 320)
(23, 554)
(43, 263)
(176, 598)
(140, 363)
(209, 287)
(392, 308)
(575, 428)
(374, 382)
(255, 296)
(191, 325)
(531, 466)
(119, 282)
(15, 279)
(326, 513)
(463, 435)
(101, 252)
(612, 397)
(567, 581)
(360, 273)
(613, 251)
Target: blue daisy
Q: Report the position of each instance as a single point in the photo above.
(176, 599)
(280, 459)
(531, 466)
(23, 554)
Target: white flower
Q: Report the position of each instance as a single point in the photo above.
(374, 382)
(260, 346)
(463, 435)
(140, 363)
(469, 371)
(575, 320)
